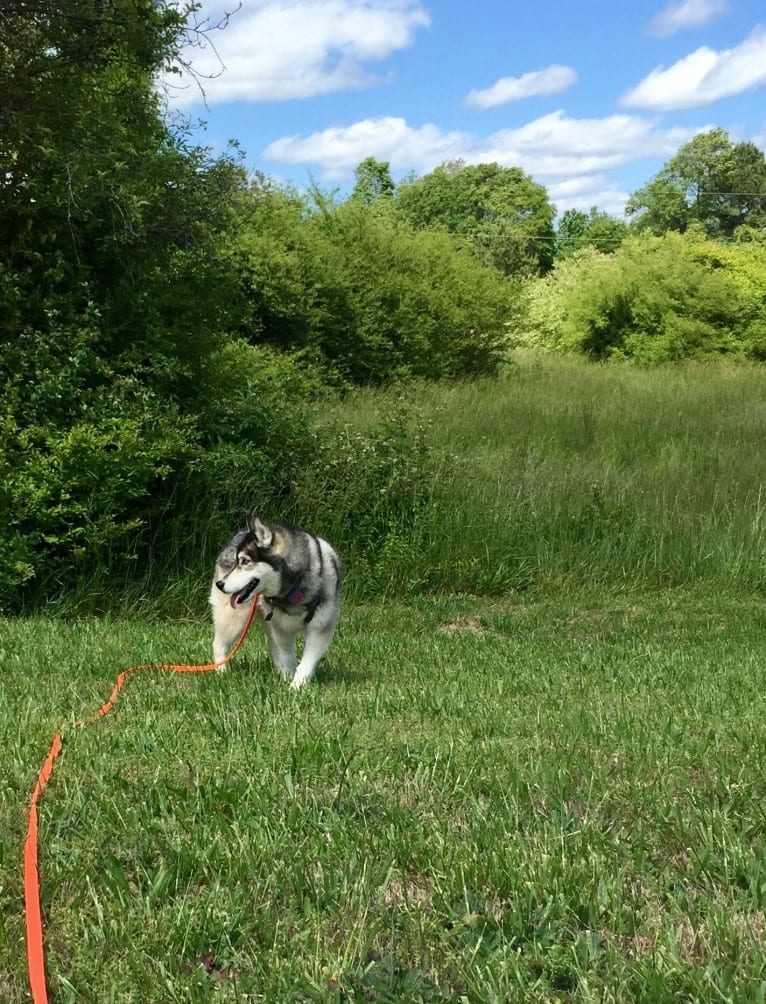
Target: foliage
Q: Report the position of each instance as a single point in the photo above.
(113, 284)
(109, 503)
(655, 299)
(546, 299)
(374, 299)
(710, 181)
(596, 229)
(373, 184)
(104, 213)
(150, 299)
(503, 217)
(75, 498)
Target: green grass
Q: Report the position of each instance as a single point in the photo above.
(534, 775)
(554, 799)
(561, 473)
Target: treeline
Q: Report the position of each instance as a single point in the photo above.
(684, 278)
(168, 320)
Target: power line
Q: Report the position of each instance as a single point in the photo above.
(743, 195)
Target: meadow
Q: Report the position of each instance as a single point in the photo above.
(559, 474)
(531, 768)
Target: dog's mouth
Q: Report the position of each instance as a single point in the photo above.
(237, 599)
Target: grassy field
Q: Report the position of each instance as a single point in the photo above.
(535, 801)
(564, 473)
(559, 474)
(531, 768)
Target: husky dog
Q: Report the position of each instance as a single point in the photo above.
(297, 577)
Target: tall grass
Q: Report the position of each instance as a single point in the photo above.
(561, 472)
(557, 474)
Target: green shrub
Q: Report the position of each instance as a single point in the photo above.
(374, 299)
(74, 498)
(129, 486)
(656, 299)
(546, 300)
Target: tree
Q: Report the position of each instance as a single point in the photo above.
(373, 181)
(595, 229)
(499, 213)
(711, 181)
(112, 278)
(107, 217)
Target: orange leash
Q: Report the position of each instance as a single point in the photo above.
(32, 911)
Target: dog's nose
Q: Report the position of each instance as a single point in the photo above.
(220, 584)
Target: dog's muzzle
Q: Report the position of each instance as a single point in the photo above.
(243, 595)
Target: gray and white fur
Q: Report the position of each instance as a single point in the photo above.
(297, 576)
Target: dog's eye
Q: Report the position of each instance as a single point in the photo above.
(244, 560)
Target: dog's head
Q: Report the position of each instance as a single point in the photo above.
(243, 568)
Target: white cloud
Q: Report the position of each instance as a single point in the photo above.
(586, 192)
(703, 77)
(275, 50)
(551, 80)
(555, 146)
(340, 149)
(687, 14)
(567, 155)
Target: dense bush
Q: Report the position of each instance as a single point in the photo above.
(373, 299)
(74, 495)
(655, 299)
(133, 487)
(114, 295)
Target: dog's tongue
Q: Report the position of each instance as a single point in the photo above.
(237, 598)
(241, 597)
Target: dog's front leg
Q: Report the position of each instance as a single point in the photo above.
(281, 650)
(317, 642)
(228, 625)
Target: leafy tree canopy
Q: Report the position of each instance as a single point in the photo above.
(502, 216)
(373, 181)
(113, 286)
(710, 181)
(595, 229)
(106, 215)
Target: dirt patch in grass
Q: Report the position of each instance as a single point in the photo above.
(462, 625)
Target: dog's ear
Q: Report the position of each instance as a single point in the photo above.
(263, 535)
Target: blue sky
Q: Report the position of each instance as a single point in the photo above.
(590, 99)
